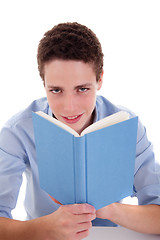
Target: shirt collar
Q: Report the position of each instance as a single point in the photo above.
(95, 115)
(49, 111)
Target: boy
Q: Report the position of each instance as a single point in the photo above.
(70, 62)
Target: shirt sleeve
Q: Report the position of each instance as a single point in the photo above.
(147, 171)
(12, 165)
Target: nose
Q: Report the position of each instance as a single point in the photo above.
(70, 104)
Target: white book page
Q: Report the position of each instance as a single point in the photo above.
(58, 123)
(105, 122)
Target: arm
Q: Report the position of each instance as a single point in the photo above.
(144, 219)
(146, 216)
(68, 222)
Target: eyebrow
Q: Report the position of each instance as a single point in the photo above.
(76, 87)
(83, 85)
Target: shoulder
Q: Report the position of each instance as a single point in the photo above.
(17, 134)
(26, 114)
(105, 108)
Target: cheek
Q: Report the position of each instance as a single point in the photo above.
(89, 102)
(53, 103)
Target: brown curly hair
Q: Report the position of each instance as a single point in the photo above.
(70, 41)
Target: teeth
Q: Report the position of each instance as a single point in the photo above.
(72, 117)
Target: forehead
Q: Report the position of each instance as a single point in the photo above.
(65, 70)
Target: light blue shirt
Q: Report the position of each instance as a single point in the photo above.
(17, 155)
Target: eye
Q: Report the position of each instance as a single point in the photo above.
(56, 90)
(83, 89)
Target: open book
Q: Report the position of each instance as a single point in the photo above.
(96, 167)
(105, 122)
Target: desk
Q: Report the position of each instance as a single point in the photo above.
(118, 233)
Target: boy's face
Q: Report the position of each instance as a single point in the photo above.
(71, 92)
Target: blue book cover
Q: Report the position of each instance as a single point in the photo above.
(96, 168)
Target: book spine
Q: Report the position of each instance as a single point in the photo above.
(80, 169)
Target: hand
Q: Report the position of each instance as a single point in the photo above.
(140, 218)
(70, 222)
(105, 212)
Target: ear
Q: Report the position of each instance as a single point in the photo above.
(100, 81)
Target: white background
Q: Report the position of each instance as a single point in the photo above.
(130, 35)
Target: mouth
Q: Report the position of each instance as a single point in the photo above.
(72, 119)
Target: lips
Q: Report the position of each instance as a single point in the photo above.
(72, 119)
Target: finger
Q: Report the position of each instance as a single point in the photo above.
(81, 208)
(82, 234)
(87, 217)
(84, 226)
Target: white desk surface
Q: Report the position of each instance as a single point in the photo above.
(118, 233)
